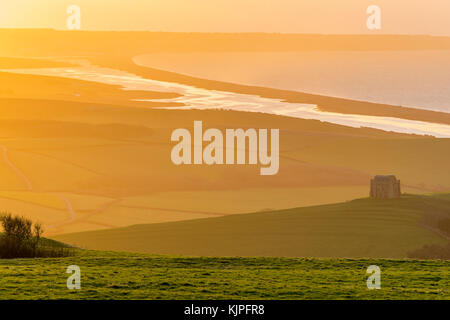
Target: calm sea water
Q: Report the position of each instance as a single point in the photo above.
(413, 79)
(202, 99)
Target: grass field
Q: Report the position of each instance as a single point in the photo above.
(106, 275)
(363, 228)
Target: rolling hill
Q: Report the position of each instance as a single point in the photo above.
(359, 228)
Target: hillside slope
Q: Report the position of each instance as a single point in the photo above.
(360, 228)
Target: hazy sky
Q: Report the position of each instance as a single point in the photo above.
(298, 16)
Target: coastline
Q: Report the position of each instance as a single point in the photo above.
(186, 97)
(324, 103)
(413, 79)
(329, 106)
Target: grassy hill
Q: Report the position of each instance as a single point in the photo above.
(107, 275)
(359, 228)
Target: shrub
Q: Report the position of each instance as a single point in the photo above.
(22, 239)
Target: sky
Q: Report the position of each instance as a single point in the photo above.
(285, 16)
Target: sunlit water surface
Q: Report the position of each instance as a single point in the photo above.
(197, 98)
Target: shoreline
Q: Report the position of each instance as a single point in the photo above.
(324, 103)
(188, 96)
(398, 78)
(319, 106)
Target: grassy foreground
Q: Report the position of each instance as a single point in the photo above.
(107, 275)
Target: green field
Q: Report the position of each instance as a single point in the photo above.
(363, 228)
(107, 275)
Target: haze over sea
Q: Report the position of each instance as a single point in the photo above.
(418, 79)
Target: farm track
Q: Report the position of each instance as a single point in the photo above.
(29, 185)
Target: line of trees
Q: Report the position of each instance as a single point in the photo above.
(21, 238)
